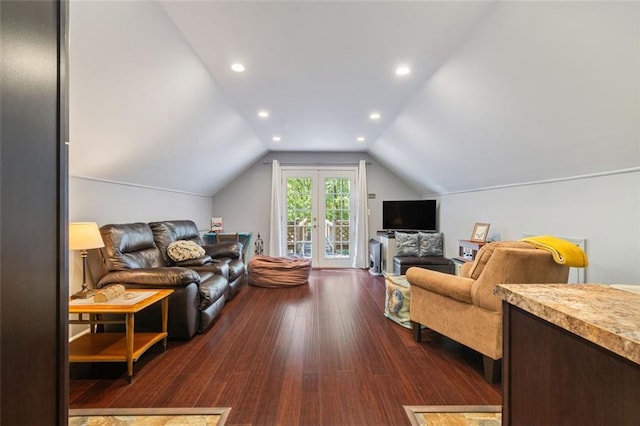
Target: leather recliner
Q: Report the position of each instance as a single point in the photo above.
(131, 257)
(224, 255)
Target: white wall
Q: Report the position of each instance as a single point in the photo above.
(108, 202)
(604, 209)
(244, 204)
(104, 202)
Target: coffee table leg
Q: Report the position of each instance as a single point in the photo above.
(129, 336)
(165, 319)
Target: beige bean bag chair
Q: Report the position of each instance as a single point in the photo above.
(274, 272)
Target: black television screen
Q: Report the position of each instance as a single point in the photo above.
(411, 215)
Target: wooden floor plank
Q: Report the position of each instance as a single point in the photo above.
(321, 353)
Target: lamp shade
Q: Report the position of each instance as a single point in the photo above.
(84, 236)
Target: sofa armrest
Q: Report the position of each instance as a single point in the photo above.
(222, 250)
(153, 277)
(458, 288)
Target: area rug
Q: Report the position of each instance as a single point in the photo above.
(200, 416)
(454, 415)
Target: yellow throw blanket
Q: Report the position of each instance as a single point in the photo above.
(563, 251)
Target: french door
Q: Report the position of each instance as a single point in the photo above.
(318, 205)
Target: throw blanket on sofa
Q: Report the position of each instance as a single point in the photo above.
(564, 252)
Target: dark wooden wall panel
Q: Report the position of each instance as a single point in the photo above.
(33, 258)
(555, 377)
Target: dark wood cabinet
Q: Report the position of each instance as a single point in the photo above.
(554, 377)
(33, 213)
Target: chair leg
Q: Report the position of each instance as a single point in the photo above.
(492, 369)
(417, 331)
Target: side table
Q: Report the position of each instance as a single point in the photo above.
(117, 347)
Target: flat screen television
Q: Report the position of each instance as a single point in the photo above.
(409, 215)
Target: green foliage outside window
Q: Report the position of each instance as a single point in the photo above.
(337, 205)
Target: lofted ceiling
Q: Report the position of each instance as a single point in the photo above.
(499, 92)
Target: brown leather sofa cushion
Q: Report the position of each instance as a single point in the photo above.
(165, 233)
(129, 246)
(211, 288)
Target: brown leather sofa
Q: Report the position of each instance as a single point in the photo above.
(227, 257)
(132, 258)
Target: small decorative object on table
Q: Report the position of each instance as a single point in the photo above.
(108, 293)
(216, 224)
(259, 245)
(480, 232)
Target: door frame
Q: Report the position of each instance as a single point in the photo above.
(318, 209)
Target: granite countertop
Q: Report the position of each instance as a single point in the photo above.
(606, 316)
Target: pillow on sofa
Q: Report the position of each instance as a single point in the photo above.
(182, 250)
(430, 244)
(406, 244)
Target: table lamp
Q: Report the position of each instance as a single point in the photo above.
(84, 236)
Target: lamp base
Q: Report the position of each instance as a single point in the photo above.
(84, 294)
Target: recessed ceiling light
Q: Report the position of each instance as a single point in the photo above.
(403, 70)
(360, 138)
(276, 138)
(263, 114)
(375, 116)
(237, 67)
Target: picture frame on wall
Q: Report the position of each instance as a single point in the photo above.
(480, 232)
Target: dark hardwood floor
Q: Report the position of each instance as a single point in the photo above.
(321, 354)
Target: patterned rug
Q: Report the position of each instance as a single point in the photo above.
(201, 416)
(454, 415)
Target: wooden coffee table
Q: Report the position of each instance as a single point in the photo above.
(117, 347)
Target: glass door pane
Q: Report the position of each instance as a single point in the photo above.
(299, 216)
(337, 217)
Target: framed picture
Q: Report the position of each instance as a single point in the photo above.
(216, 224)
(480, 232)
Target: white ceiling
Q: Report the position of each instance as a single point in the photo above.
(320, 68)
(500, 92)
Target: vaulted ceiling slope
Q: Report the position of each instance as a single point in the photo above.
(500, 92)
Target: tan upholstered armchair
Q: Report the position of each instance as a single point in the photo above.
(464, 307)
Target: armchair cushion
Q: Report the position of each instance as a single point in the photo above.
(485, 253)
(465, 270)
(448, 285)
(158, 277)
